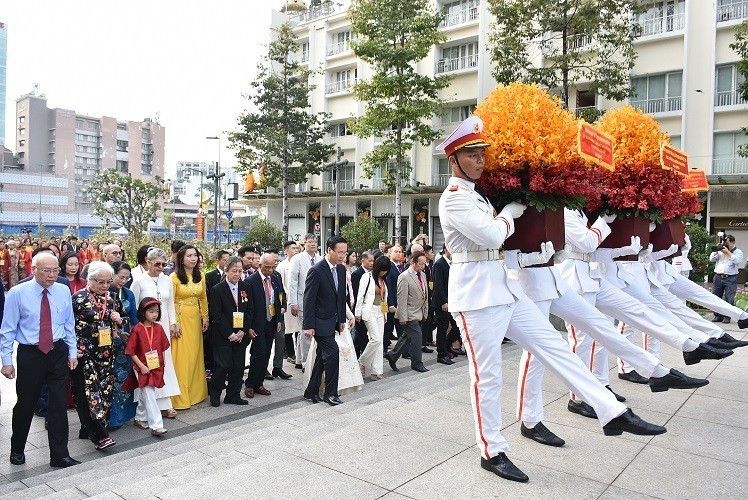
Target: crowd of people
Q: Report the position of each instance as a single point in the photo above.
(144, 343)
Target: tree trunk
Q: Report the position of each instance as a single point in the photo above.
(285, 202)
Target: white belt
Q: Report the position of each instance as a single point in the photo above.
(579, 256)
(475, 256)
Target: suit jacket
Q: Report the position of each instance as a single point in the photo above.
(258, 312)
(391, 281)
(412, 300)
(212, 278)
(324, 306)
(221, 307)
(300, 265)
(356, 280)
(441, 283)
(428, 270)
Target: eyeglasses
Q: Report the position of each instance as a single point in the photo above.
(102, 282)
(48, 270)
(116, 252)
(158, 264)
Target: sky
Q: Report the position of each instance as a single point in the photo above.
(190, 61)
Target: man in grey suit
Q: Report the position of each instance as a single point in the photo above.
(298, 269)
(412, 309)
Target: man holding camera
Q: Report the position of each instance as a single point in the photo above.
(727, 258)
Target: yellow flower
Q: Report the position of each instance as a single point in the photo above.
(636, 136)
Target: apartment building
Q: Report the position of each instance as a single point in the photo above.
(59, 152)
(685, 76)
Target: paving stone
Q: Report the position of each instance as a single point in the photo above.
(731, 413)
(614, 493)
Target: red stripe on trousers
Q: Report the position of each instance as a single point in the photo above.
(623, 366)
(522, 389)
(574, 349)
(475, 387)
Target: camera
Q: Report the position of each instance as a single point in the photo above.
(722, 244)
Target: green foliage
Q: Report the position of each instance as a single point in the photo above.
(740, 46)
(581, 41)
(701, 241)
(741, 301)
(265, 234)
(364, 233)
(130, 203)
(278, 131)
(392, 36)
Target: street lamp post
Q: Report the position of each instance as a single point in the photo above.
(335, 167)
(216, 176)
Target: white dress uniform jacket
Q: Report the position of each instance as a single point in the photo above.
(538, 283)
(582, 240)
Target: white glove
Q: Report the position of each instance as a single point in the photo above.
(652, 226)
(541, 257)
(513, 210)
(608, 218)
(633, 249)
(562, 255)
(646, 251)
(686, 248)
(662, 254)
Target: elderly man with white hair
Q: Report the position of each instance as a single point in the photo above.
(99, 318)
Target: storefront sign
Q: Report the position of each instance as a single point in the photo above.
(595, 146)
(731, 222)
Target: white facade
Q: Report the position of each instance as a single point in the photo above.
(685, 77)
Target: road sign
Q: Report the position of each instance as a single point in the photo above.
(229, 214)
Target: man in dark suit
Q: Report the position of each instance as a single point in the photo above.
(395, 254)
(324, 315)
(230, 329)
(442, 315)
(265, 295)
(427, 327)
(212, 278)
(360, 339)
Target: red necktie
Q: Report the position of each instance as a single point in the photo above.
(45, 324)
(420, 282)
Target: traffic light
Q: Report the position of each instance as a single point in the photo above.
(231, 224)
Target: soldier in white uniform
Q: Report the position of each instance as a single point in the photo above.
(473, 233)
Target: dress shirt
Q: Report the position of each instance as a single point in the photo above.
(23, 315)
(725, 264)
(333, 270)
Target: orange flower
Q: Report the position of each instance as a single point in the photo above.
(526, 127)
(636, 136)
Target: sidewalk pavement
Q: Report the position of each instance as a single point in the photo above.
(408, 436)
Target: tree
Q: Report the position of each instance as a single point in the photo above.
(264, 233)
(131, 203)
(363, 233)
(280, 133)
(701, 244)
(392, 36)
(740, 46)
(580, 41)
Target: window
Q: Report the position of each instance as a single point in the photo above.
(460, 12)
(93, 125)
(726, 157)
(21, 143)
(145, 135)
(457, 114)
(657, 93)
(341, 42)
(339, 130)
(121, 126)
(92, 161)
(728, 83)
(304, 51)
(78, 123)
(146, 169)
(727, 10)
(341, 81)
(347, 178)
(21, 131)
(121, 166)
(662, 17)
(443, 172)
(21, 119)
(79, 160)
(122, 146)
(79, 149)
(458, 57)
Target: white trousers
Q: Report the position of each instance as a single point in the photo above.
(371, 357)
(685, 313)
(685, 289)
(482, 332)
(148, 409)
(579, 312)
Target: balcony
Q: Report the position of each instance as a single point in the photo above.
(315, 12)
(301, 187)
(379, 182)
(728, 98)
(340, 86)
(553, 46)
(449, 65)
(659, 25)
(440, 179)
(305, 56)
(663, 105)
(339, 48)
(578, 42)
(345, 184)
(732, 11)
(728, 166)
(460, 17)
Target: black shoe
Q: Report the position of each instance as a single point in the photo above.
(215, 402)
(83, 433)
(298, 366)
(675, 380)
(314, 398)
(17, 458)
(268, 376)
(726, 320)
(581, 408)
(718, 318)
(541, 434)
(705, 351)
(458, 352)
(503, 467)
(63, 462)
(392, 362)
(620, 398)
(730, 340)
(721, 343)
(406, 355)
(629, 422)
(419, 368)
(278, 372)
(634, 377)
(743, 323)
(427, 350)
(332, 400)
(235, 401)
(445, 360)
